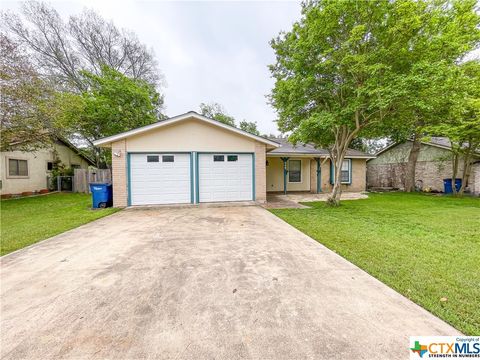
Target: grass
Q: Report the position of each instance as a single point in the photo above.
(26, 221)
(425, 247)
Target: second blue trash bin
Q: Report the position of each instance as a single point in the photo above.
(101, 195)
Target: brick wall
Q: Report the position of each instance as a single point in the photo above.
(428, 174)
(260, 173)
(359, 182)
(119, 174)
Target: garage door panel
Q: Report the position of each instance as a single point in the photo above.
(159, 182)
(225, 180)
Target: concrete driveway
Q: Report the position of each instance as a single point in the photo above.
(198, 283)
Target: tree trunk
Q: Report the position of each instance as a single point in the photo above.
(467, 166)
(343, 138)
(412, 163)
(334, 198)
(454, 173)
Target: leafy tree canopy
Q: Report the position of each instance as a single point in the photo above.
(217, 112)
(461, 118)
(26, 109)
(249, 126)
(112, 103)
(347, 68)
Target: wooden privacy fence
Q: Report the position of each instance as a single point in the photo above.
(83, 177)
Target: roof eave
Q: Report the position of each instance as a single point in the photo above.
(278, 154)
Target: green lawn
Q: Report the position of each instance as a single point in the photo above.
(424, 246)
(28, 220)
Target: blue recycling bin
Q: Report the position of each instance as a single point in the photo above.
(102, 196)
(448, 185)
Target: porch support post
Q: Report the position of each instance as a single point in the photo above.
(285, 172)
(319, 176)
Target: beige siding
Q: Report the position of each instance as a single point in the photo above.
(186, 136)
(399, 154)
(313, 176)
(275, 175)
(37, 168)
(190, 135)
(119, 174)
(68, 157)
(260, 175)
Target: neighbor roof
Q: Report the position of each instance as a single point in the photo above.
(175, 119)
(287, 148)
(437, 141)
(76, 150)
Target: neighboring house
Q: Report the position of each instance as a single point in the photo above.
(434, 164)
(193, 159)
(28, 171)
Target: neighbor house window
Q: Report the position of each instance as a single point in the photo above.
(168, 158)
(17, 167)
(218, 158)
(75, 166)
(152, 158)
(346, 171)
(232, 158)
(295, 171)
(49, 165)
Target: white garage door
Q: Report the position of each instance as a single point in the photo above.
(225, 177)
(159, 179)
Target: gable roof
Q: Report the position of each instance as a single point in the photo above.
(287, 148)
(61, 140)
(436, 141)
(178, 118)
(76, 150)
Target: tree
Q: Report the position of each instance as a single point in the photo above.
(86, 42)
(462, 120)
(333, 81)
(217, 112)
(249, 126)
(356, 68)
(433, 36)
(112, 103)
(26, 122)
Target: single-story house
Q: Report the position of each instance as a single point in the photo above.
(26, 172)
(193, 159)
(434, 164)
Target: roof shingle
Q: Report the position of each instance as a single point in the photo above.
(308, 149)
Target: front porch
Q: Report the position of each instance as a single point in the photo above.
(288, 174)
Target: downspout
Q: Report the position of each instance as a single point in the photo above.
(319, 176)
(285, 172)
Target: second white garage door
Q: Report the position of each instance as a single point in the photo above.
(160, 179)
(225, 177)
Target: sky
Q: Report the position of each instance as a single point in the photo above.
(207, 51)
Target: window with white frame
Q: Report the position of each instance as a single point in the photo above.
(295, 171)
(346, 169)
